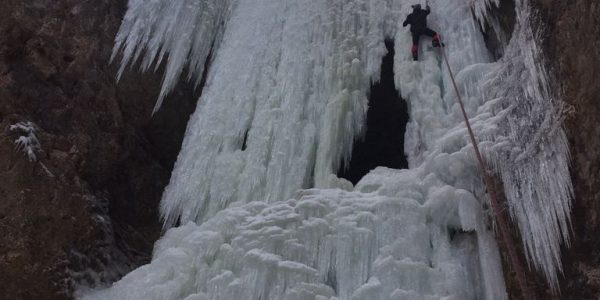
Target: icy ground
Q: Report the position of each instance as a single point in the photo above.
(264, 215)
(402, 234)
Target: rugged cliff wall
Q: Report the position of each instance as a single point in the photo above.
(103, 161)
(571, 41)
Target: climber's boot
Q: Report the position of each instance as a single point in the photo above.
(435, 42)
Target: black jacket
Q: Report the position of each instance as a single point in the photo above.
(417, 20)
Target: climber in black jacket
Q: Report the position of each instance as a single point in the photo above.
(418, 26)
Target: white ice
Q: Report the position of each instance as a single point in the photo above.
(284, 100)
(402, 234)
(27, 141)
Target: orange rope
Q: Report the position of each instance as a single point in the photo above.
(502, 224)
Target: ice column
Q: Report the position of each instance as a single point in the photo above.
(284, 100)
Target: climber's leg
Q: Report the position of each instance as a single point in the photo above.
(415, 46)
(435, 37)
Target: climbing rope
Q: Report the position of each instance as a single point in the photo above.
(500, 220)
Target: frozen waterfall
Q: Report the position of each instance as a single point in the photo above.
(263, 214)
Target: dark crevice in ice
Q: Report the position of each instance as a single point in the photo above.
(383, 144)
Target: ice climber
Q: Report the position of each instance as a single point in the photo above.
(418, 27)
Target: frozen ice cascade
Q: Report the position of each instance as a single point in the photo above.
(262, 214)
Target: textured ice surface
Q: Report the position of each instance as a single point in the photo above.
(403, 234)
(290, 78)
(285, 98)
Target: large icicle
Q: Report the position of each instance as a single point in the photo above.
(531, 151)
(284, 100)
(183, 31)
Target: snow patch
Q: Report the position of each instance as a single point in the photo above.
(27, 142)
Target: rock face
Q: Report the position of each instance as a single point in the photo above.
(573, 48)
(86, 209)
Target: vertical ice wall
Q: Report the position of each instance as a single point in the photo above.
(284, 100)
(516, 115)
(285, 97)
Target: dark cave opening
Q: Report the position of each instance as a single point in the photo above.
(383, 144)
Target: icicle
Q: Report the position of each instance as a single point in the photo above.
(534, 165)
(182, 31)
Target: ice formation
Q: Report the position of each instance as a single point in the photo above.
(263, 214)
(402, 234)
(530, 149)
(184, 31)
(27, 141)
